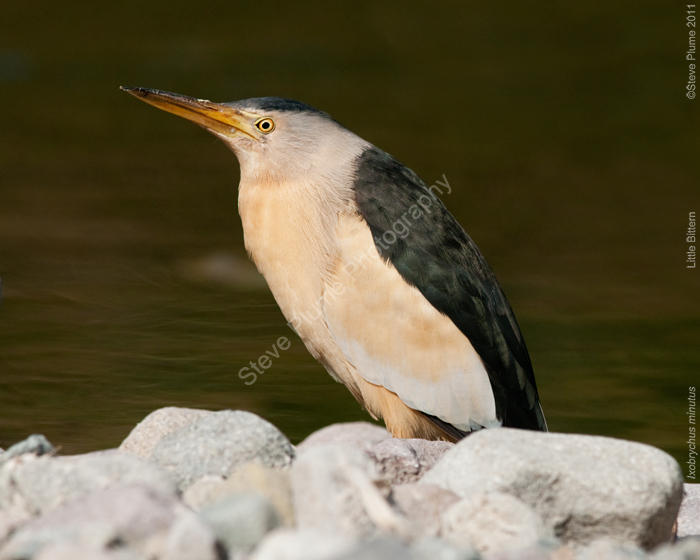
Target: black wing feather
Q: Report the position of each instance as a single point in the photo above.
(440, 259)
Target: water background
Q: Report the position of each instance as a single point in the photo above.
(562, 128)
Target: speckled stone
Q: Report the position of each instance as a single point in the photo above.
(585, 487)
(219, 443)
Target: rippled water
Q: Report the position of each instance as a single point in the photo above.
(563, 130)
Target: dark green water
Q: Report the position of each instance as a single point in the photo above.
(563, 129)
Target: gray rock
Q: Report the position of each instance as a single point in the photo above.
(423, 505)
(685, 549)
(304, 544)
(359, 434)
(380, 548)
(189, 538)
(36, 485)
(336, 490)
(219, 443)
(72, 551)
(608, 549)
(251, 477)
(585, 487)
(432, 548)
(689, 514)
(146, 434)
(406, 460)
(36, 444)
(493, 522)
(240, 521)
(131, 515)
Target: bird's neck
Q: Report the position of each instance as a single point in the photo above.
(290, 240)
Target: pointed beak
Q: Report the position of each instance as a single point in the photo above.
(215, 117)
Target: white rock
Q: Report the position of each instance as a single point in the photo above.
(406, 460)
(204, 492)
(544, 551)
(146, 434)
(37, 485)
(359, 434)
(11, 520)
(335, 489)
(608, 549)
(423, 504)
(219, 443)
(302, 544)
(493, 522)
(689, 514)
(132, 515)
(685, 549)
(584, 487)
(72, 551)
(251, 477)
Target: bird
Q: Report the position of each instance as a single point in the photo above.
(381, 283)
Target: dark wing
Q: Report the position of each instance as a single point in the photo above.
(443, 263)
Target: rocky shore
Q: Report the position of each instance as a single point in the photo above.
(197, 485)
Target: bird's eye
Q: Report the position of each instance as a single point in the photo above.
(265, 125)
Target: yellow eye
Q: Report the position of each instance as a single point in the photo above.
(265, 125)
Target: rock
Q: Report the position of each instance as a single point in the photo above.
(423, 504)
(432, 548)
(129, 515)
(399, 460)
(689, 514)
(585, 487)
(36, 444)
(11, 520)
(540, 551)
(190, 538)
(250, 477)
(99, 453)
(383, 548)
(146, 434)
(685, 549)
(406, 460)
(493, 522)
(219, 443)
(71, 551)
(305, 544)
(240, 521)
(608, 549)
(138, 521)
(359, 434)
(562, 553)
(205, 492)
(36, 485)
(335, 489)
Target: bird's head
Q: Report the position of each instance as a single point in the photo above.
(274, 139)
